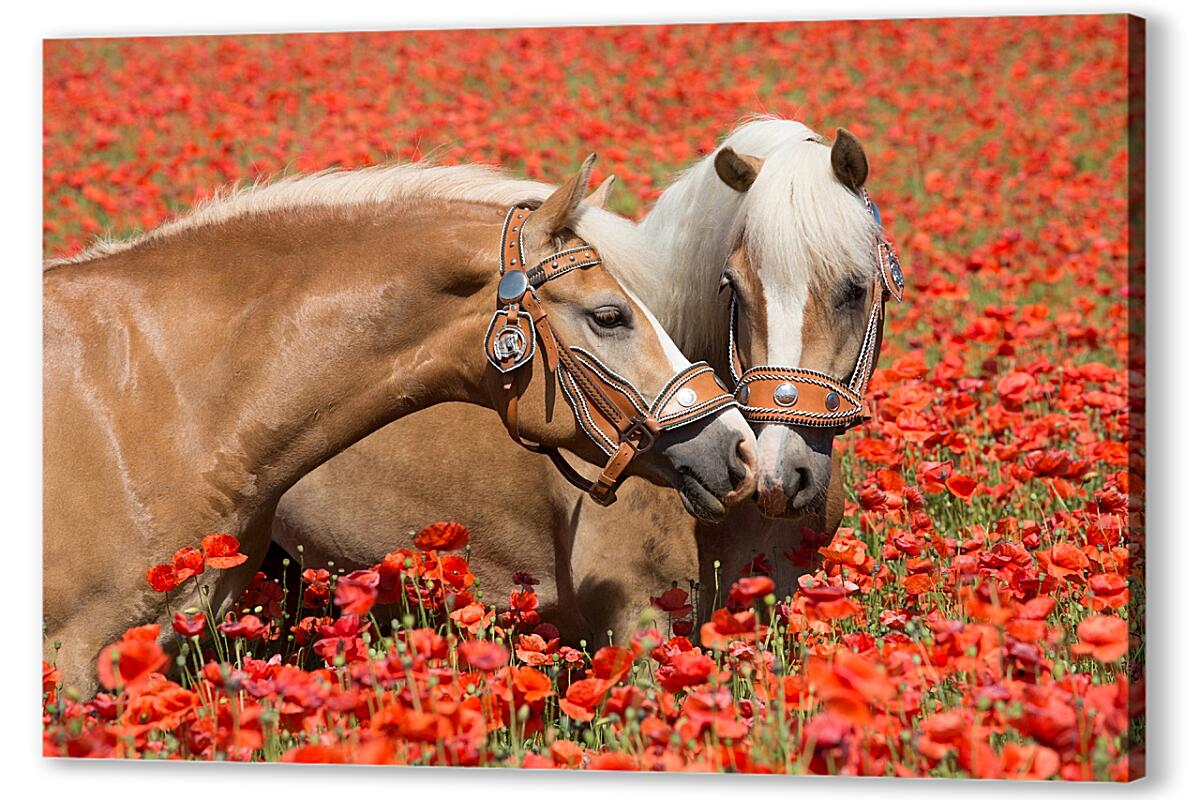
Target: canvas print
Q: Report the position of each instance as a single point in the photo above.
(742, 398)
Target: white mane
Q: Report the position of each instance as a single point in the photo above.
(797, 219)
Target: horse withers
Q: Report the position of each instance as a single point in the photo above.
(193, 375)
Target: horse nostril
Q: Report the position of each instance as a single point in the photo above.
(742, 470)
(748, 453)
(807, 488)
(806, 480)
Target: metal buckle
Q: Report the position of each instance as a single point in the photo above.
(640, 436)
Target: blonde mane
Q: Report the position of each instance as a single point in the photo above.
(334, 188)
(797, 221)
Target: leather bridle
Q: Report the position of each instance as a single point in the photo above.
(808, 398)
(609, 409)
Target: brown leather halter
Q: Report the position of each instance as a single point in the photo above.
(607, 407)
(807, 398)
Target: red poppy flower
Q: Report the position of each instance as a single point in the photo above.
(1102, 637)
(248, 627)
(849, 685)
(689, 668)
(747, 590)
(1014, 388)
(531, 685)
(961, 486)
(612, 663)
(51, 677)
(1109, 591)
(316, 754)
(613, 760)
(581, 698)
(356, 593)
(162, 578)
(160, 704)
(524, 579)
(1029, 762)
(483, 655)
(188, 562)
(682, 627)
(919, 583)
(473, 617)
(221, 551)
(131, 661)
(674, 601)
(1063, 560)
(442, 536)
(189, 626)
(566, 753)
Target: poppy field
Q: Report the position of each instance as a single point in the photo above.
(979, 612)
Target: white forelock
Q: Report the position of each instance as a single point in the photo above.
(801, 226)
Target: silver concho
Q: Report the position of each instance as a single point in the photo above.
(510, 343)
(513, 285)
(832, 401)
(785, 394)
(509, 346)
(686, 398)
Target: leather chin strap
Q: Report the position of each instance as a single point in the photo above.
(608, 408)
(807, 398)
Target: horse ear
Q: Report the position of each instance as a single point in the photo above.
(849, 160)
(599, 196)
(738, 172)
(555, 214)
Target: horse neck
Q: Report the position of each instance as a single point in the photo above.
(308, 331)
(692, 229)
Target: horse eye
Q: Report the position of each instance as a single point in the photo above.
(608, 317)
(852, 295)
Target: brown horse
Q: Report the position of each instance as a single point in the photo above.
(193, 375)
(785, 227)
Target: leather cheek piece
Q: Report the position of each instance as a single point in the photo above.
(604, 489)
(612, 393)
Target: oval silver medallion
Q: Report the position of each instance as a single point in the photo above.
(785, 394)
(686, 397)
(513, 285)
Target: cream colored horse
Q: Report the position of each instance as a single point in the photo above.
(787, 210)
(193, 375)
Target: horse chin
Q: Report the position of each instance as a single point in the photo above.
(776, 505)
(815, 507)
(699, 501)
